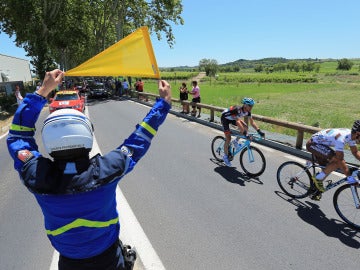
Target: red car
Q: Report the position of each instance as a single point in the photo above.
(67, 99)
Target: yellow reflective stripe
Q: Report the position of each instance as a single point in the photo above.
(21, 128)
(148, 128)
(82, 223)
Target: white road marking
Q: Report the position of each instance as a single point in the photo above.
(2, 136)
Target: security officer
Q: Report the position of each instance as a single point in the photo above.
(77, 193)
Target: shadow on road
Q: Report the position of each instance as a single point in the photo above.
(232, 175)
(312, 214)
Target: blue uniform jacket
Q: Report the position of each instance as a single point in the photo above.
(77, 198)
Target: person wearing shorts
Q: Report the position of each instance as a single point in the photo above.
(327, 147)
(195, 92)
(233, 116)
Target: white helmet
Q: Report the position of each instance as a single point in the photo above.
(67, 133)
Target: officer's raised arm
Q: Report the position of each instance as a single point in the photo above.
(52, 79)
(165, 90)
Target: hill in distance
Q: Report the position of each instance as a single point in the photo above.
(270, 61)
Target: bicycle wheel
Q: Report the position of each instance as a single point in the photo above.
(217, 147)
(345, 206)
(294, 179)
(252, 161)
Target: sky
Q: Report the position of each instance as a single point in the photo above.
(229, 30)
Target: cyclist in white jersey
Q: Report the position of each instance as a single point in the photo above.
(327, 147)
(233, 116)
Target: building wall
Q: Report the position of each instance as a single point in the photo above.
(15, 69)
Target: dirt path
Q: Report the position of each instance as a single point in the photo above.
(199, 76)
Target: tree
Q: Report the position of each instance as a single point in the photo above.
(259, 68)
(68, 32)
(291, 65)
(210, 66)
(307, 66)
(344, 64)
(280, 67)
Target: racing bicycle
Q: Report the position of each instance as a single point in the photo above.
(295, 180)
(252, 160)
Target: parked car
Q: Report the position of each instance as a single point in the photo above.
(98, 89)
(67, 99)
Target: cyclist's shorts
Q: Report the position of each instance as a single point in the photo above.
(226, 124)
(321, 152)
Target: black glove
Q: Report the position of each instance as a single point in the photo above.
(262, 134)
(352, 169)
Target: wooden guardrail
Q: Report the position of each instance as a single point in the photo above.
(300, 128)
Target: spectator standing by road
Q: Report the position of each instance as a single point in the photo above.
(19, 97)
(196, 98)
(125, 86)
(38, 85)
(184, 96)
(130, 82)
(139, 86)
(118, 87)
(77, 194)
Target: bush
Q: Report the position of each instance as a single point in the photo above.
(344, 64)
(6, 103)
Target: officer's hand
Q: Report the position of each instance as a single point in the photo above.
(51, 81)
(165, 90)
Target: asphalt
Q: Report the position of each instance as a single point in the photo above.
(276, 141)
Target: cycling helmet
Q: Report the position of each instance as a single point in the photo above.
(67, 134)
(248, 101)
(356, 126)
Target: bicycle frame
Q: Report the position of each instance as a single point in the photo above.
(245, 144)
(332, 184)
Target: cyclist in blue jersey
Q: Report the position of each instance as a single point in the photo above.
(76, 193)
(233, 116)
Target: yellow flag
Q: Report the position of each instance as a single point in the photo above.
(131, 56)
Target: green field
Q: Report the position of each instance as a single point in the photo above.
(330, 102)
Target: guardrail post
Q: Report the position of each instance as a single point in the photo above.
(299, 139)
(212, 115)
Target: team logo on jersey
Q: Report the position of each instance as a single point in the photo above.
(24, 155)
(126, 151)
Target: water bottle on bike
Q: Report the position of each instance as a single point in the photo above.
(236, 146)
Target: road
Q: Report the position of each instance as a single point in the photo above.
(196, 213)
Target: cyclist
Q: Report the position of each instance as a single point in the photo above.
(321, 145)
(75, 192)
(233, 116)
